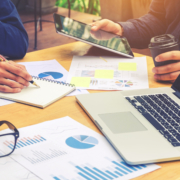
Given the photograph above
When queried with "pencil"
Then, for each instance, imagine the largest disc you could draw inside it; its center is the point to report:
(103, 59)
(3, 59)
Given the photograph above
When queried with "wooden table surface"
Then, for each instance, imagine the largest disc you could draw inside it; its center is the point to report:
(23, 115)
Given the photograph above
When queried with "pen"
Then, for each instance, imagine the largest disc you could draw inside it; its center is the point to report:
(3, 59)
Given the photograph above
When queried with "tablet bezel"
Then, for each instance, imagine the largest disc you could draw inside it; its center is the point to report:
(87, 42)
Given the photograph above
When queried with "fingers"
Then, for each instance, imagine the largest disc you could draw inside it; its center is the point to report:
(9, 89)
(167, 77)
(10, 83)
(18, 79)
(13, 77)
(168, 72)
(167, 68)
(172, 55)
(16, 71)
(99, 25)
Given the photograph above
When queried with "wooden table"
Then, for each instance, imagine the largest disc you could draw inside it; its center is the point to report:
(23, 115)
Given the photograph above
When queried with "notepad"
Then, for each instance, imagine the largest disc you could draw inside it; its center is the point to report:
(49, 92)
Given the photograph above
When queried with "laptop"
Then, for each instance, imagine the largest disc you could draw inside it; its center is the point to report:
(142, 125)
(101, 39)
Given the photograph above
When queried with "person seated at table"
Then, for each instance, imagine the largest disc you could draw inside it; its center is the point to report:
(162, 18)
(13, 44)
(13, 36)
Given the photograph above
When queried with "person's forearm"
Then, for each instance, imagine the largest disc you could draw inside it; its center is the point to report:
(140, 31)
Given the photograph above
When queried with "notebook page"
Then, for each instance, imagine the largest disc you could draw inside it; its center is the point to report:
(41, 97)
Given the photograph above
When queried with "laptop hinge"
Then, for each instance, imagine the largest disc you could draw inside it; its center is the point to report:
(176, 87)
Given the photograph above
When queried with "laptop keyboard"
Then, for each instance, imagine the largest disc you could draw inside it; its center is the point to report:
(162, 112)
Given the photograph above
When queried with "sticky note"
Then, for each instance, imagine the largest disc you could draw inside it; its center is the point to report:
(123, 66)
(104, 74)
(81, 81)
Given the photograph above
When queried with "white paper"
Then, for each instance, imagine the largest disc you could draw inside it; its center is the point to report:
(44, 69)
(69, 150)
(41, 68)
(122, 80)
(12, 170)
(4, 102)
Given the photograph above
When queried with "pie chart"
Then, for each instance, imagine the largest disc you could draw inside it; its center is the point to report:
(124, 83)
(50, 75)
(81, 142)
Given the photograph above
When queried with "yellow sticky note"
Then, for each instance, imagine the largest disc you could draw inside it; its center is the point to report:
(123, 66)
(104, 74)
(81, 81)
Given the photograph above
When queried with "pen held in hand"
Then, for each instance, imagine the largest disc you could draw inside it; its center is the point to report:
(3, 59)
(32, 82)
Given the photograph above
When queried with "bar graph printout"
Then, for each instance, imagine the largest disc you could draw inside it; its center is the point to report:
(107, 73)
(68, 150)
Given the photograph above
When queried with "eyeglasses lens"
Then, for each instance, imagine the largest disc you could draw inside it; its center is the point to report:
(7, 144)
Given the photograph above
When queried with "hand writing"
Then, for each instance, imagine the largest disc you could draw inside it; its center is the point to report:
(13, 77)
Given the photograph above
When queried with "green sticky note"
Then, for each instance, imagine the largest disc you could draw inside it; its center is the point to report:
(104, 74)
(123, 66)
(81, 81)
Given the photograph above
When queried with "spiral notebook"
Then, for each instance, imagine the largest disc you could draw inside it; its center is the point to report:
(49, 92)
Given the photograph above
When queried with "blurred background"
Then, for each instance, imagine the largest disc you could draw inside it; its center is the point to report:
(85, 11)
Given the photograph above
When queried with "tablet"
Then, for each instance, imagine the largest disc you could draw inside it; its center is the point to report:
(82, 32)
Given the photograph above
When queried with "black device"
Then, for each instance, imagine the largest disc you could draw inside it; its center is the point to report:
(102, 39)
(161, 44)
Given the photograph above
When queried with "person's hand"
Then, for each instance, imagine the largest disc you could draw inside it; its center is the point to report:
(108, 26)
(167, 72)
(13, 77)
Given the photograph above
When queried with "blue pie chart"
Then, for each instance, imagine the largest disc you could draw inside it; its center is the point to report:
(54, 75)
(81, 142)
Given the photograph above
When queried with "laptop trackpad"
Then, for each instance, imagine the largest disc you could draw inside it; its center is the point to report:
(122, 122)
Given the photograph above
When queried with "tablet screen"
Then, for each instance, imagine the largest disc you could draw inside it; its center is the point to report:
(100, 38)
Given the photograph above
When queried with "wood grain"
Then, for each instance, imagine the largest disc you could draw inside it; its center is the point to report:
(23, 115)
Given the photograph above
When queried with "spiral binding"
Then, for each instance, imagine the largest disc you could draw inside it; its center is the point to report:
(53, 81)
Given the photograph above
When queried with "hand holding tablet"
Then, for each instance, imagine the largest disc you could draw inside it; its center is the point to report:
(102, 39)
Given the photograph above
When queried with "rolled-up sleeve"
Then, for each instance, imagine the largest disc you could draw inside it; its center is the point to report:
(139, 31)
(13, 36)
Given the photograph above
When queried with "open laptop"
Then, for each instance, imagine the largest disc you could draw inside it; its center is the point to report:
(142, 125)
(101, 39)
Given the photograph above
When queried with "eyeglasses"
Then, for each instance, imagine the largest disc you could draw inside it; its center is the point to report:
(8, 141)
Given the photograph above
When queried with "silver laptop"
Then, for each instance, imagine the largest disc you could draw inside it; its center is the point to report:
(142, 125)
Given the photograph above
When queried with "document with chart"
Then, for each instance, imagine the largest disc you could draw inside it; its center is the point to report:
(52, 70)
(49, 70)
(63, 149)
(108, 73)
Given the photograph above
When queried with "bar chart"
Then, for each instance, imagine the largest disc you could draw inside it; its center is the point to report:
(37, 156)
(114, 170)
(71, 151)
(26, 141)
